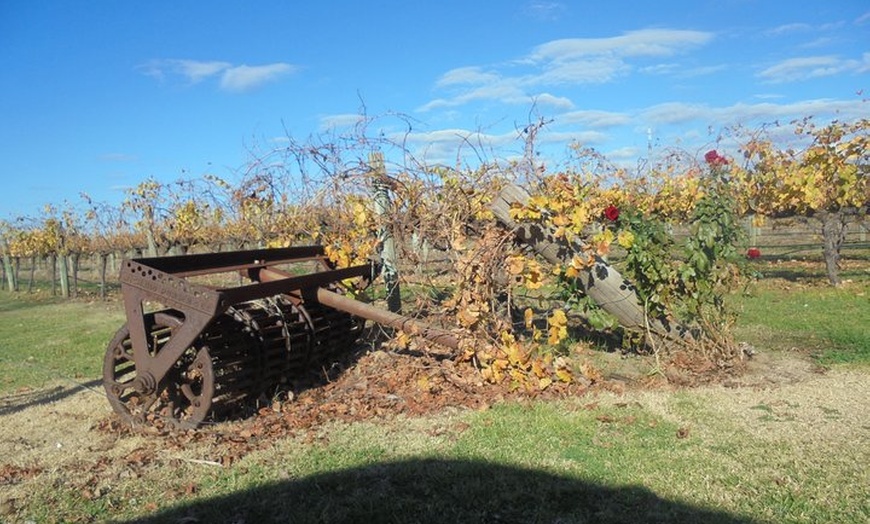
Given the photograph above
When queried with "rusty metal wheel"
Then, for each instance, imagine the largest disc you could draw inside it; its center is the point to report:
(181, 400)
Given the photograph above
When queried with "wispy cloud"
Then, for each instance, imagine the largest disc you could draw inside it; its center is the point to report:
(645, 42)
(803, 68)
(788, 28)
(344, 120)
(679, 113)
(544, 10)
(595, 119)
(571, 61)
(234, 78)
(245, 77)
(466, 75)
(449, 145)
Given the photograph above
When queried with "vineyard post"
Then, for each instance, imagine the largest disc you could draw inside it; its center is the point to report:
(753, 230)
(7, 266)
(381, 197)
(63, 269)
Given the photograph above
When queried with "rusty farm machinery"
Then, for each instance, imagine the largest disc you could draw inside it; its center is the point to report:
(192, 350)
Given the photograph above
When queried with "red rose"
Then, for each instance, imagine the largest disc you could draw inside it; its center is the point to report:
(753, 252)
(714, 158)
(611, 213)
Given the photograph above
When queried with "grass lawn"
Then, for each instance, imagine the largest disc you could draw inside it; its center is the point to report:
(45, 339)
(832, 324)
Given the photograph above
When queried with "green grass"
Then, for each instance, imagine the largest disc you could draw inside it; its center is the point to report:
(832, 324)
(47, 339)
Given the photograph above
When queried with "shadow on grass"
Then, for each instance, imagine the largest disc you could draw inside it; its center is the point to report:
(22, 400)
(429, 491)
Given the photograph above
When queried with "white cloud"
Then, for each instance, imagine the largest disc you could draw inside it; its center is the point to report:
(193, 71)
(595, 119)
(594, 70)
(340, 121)
(232, 78)
(788, 28)
(622, 154)
(572, 61)
(197, 71)
(645, 42)
(803, 68)
(450, 145)
(543, 10)
(680, 113)
(546, 99)
(588, 138)
(506, 91)
(675, 113)
(466, 75)
(244, 77)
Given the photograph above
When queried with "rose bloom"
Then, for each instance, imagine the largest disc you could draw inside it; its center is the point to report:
(753, 252)
(611, 213)
(714, 158)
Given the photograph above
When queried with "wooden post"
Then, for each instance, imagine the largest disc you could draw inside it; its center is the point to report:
(753, 231)
(601, 281)
(7, 267)
(64, 274)
(381, 194)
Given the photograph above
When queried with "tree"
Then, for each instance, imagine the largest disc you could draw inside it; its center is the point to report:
(828, 179)
(146, 200)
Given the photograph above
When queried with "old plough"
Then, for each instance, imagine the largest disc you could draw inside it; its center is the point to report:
(206, 333)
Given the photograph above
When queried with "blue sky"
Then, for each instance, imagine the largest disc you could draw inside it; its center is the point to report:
(97, 96)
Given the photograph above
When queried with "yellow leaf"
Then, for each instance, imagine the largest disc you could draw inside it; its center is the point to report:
(533, 278)
(544, 383)
(515, 264)
(560, 220)
(557, 318)
(467, 318)
(528, 317)
(403, 340)
(625, 239)
(538, 368)
(556, 335)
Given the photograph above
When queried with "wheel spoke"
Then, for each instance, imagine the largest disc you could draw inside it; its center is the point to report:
(184, 396)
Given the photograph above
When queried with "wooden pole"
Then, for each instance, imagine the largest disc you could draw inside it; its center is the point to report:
(381, 194)
(7, 267)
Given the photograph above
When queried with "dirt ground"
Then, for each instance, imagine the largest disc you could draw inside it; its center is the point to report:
(67, 435)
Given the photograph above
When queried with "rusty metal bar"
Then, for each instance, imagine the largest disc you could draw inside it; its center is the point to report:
(354, 307)
(209, 263)
(386, 318)
(287, 283)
